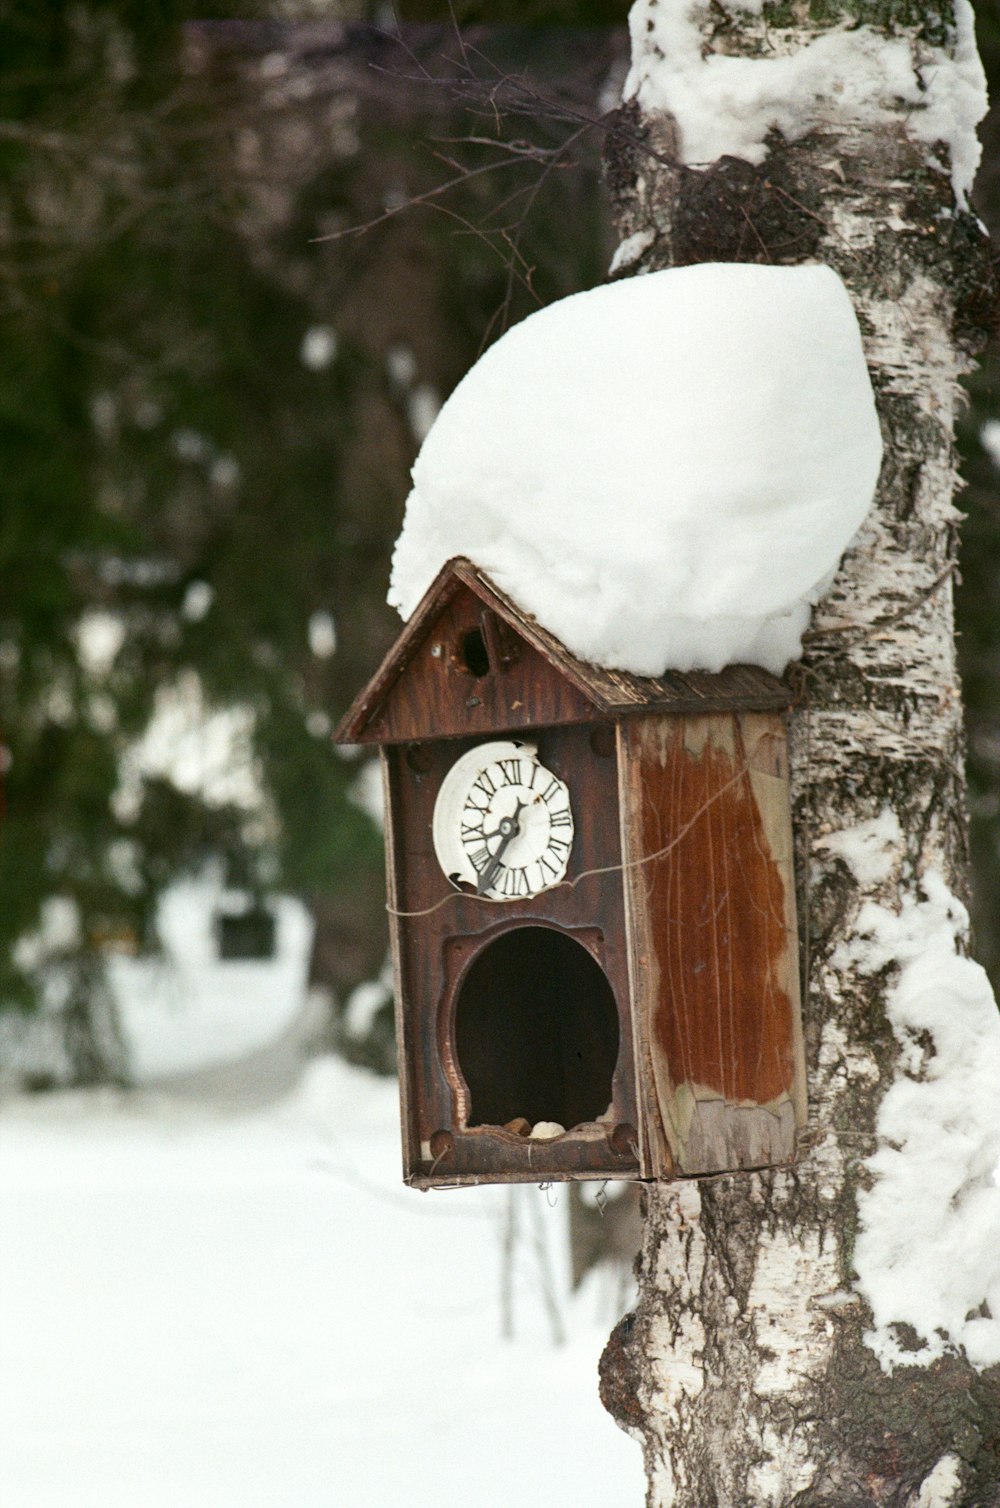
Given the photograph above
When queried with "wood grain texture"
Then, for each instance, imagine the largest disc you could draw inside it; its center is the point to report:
(713, 937)
(424, 688)
(404, 1033)
(440, 697)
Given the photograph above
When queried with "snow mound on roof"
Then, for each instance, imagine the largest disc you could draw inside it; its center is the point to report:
(665, 471)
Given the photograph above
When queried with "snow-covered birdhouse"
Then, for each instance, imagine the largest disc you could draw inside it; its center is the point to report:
(591, 902)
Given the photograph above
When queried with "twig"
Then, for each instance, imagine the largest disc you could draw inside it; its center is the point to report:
(865, 630)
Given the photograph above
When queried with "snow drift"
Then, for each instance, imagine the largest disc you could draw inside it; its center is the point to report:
(665, 471)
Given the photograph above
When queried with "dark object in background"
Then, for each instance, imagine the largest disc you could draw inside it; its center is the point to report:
(246, 934)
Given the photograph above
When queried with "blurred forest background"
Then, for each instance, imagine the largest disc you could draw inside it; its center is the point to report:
(242, 262)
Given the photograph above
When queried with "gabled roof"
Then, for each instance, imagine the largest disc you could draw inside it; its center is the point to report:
(587, 693)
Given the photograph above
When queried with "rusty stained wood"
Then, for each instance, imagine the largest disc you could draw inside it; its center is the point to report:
(433, 952)
(706, 834)
(425, 689)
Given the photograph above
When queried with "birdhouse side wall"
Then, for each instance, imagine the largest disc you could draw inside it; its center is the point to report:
(707, 845)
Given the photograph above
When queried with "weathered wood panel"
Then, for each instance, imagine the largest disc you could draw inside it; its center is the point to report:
(707, 841)
(442, 697)
(403, 1021)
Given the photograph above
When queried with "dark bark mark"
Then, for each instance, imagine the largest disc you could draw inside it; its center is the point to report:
(916, 1410)
(623, 151)
(735, 212)
(620, 1372)
(976, 283)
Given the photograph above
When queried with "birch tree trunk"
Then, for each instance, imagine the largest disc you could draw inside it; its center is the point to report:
(753, 1370)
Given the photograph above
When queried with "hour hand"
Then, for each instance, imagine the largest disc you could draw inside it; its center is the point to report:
(508, 830)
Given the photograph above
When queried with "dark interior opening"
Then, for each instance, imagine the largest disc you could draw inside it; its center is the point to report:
(536, 1031)
(475, 653)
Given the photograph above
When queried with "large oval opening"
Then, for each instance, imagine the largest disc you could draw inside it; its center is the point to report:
(536, 1031)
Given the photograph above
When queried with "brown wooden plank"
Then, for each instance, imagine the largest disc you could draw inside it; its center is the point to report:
(715, 959)
(404, 1035)
(656, 1156)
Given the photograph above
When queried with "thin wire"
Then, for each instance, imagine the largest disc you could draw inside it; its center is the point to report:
(589, 873)
(863, 630)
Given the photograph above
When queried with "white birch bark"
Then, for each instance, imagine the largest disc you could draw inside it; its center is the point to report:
(745, 1373)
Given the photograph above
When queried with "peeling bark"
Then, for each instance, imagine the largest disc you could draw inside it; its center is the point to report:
(744, 1373)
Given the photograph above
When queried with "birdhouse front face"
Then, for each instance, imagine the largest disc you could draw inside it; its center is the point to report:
(517, 1052)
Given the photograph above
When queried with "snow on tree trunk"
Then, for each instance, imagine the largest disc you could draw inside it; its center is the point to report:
(823, 1334)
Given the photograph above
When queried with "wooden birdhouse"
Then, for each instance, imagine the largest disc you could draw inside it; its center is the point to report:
(591, 903)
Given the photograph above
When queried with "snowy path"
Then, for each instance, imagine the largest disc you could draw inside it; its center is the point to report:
(201, 1310)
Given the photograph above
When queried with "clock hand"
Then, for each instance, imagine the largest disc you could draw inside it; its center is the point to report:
(502, 829)
(508, 830)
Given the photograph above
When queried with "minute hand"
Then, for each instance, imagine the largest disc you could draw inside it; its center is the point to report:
(508, 829)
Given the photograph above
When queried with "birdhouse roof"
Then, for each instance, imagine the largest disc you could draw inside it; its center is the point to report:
(520, 675)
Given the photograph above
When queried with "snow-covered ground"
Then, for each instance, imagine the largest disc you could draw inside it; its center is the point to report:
(208, 1309)
(215, 1291)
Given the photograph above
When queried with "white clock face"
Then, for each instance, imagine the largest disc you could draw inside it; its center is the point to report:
(503, 823)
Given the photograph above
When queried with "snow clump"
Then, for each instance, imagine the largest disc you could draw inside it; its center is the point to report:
(928, 1253)
(725, 105)
(665, 471)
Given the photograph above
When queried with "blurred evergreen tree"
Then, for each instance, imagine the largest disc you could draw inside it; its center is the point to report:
(209, 410)
(169, 464)
(209, 414)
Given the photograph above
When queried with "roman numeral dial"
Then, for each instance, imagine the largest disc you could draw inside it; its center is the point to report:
(503, 823)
